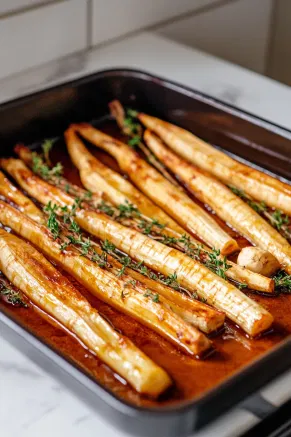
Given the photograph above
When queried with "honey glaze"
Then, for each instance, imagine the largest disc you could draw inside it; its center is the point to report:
(191, 377)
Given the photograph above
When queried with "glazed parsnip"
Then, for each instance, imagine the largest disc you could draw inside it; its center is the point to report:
(97, 176)
(191, 216)
(259, 185)
(45, 193)
(135, 134)
(236, 273)
(28, 270)
(198, 314)
(225, 203)
(190, 273)
(204, 317)
(11, 193)
(90, 178)
(108, 287)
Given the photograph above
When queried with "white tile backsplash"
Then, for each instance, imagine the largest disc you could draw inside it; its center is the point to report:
(113, 18)
(34, 32)
(41, 35)
(237, 31)
(280, 51)
(14, 5)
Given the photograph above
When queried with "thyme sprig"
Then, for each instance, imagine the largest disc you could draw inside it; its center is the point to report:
(276, 218)
(154, 296)
(129, 125)
(10, 295)
(282, 282)
(41, 163)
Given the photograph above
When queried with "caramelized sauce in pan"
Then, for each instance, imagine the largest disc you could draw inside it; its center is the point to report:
(191, 377)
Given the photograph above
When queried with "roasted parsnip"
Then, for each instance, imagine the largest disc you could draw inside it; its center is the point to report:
(191, 216)
(11, 193)
(225, 203)
(97, 177)
(27, 269)
(236, 273)
(202, 316)
(190, 273)
(107, 286)
(198, 314)
(134, 132)
(260, 186)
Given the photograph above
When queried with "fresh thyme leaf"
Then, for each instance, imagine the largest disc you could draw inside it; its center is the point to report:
(257, 206)
(154, 296)
(217, 264)
(131, 282)
(277, 218)
(132, 113)
(75, 227)
(88, 195)
(280, 219)
(43, 170)
(282, 282)
(201, 299)
(101, 260)
(134, 127)
(171, 281)
(126, 261)
(134, 141)
(147, 226)
(108, 246)
(106, 208)
(12, 296)
(241, 285)
(46, 148)
(128, 210)
(52, 222)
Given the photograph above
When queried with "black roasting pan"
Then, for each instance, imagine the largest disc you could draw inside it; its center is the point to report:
(47, 114)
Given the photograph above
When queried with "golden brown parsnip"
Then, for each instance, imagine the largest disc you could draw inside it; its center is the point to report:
(257, 184)
(108, 287)
(172, 200)
(225, 203)
(28, 270)
(190, 273)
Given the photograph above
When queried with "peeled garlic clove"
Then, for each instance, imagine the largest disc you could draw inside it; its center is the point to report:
(258, 261)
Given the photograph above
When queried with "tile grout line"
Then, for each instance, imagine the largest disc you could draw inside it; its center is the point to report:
(23, 10)
(160, 24)
(269, 55)
(89, 28)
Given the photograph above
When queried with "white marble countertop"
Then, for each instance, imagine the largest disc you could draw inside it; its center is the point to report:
(31, 402)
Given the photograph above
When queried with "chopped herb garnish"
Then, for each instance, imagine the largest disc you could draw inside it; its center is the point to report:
(280, 219)
(43, 170)
(217, 264)
(108, 246)
(126, 261)
(282, 282)
(52, 222)
(134, 141)
(277, 218)
(12, 296)
(128, 210)
(106, 208)
(46, 146)
(154, 296)
(132, 113)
